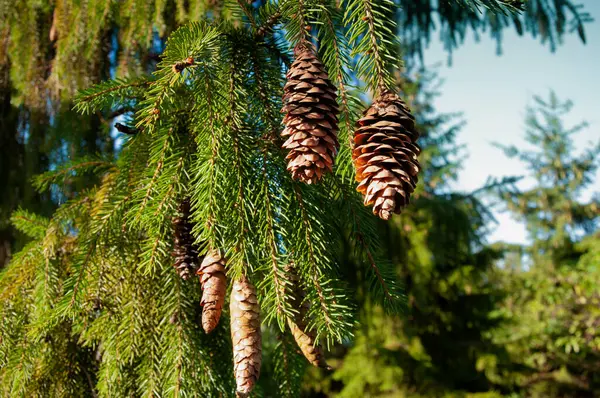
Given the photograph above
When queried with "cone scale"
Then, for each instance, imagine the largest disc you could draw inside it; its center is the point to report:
(385, 155)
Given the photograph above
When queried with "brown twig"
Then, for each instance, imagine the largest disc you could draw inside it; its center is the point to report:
(244, 7)
(269, 23)
(125, 129)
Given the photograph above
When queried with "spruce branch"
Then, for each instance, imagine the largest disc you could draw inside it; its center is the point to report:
(314, 269)
(207, 195)
(214, 150)
(244, 6)
(304, 34)
(372, 262)
(379, 66)
(30, 223)
(169, 193)
(504, 7)
(234, 127)
(371, 36)
(280, 287)
(297, 30)
(157, 171)
(336, 58)
(59, 176)
(198, 41)
(108, 94)
(362, 229)
(180, 351)
(89, 253)
(104, 215)
(20, 272)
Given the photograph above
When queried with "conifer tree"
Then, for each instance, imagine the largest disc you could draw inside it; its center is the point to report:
(206, 128)
(92, 305)
(552, 303)
(551, 210)
(51, 49)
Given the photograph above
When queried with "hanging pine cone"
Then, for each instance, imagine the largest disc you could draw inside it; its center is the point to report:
(311, 117)
(185, 250)
(214, 285)
(245, 335)
(305, 338)
(385, 155)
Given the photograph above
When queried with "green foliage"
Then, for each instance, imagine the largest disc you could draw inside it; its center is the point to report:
(76, 39)
(552, 334)
(433, 347)
(371, 34)
(70, 171)
(70, 46)
(551, 209)
(505, 320)
(553, 330)
(107, 94)
(105, 279)
(30, 224)
(91, 305)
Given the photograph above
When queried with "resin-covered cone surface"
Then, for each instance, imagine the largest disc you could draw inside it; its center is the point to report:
(214, 285)
(245, 335)
(385, 155)
(311, 122)
(185, 251)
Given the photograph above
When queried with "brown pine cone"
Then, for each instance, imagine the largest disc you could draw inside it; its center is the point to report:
(311, 117)
(305, 338)
(385, 155)
(185, 250)
(214, 284)
(245, 335)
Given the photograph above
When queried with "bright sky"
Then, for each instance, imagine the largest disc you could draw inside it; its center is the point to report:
(493, 91)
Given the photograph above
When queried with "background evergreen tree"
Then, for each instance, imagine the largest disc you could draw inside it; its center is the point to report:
(552, 210)
(552, 306)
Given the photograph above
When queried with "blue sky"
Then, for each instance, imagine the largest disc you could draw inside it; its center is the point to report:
(493, 91)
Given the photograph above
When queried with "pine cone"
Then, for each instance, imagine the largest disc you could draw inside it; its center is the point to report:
(214, 285)
(385, 155)
(245, 335)
(305, 338)
(310, 121)
(185, 250)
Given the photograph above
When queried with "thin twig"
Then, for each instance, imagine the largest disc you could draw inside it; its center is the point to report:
(379, 64)
(365, 245)
(311, 254)
(247, 12)
(280, 287)
(109, 90)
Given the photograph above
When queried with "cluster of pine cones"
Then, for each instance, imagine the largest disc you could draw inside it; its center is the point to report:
(244, 307)
(384, 153)
(385, 157)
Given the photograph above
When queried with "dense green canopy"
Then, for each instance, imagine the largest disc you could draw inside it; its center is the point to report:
(421, 306)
